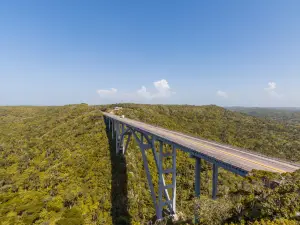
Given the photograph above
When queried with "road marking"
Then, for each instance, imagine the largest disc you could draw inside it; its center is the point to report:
(227, 153)
(237, 156)
(246, 152)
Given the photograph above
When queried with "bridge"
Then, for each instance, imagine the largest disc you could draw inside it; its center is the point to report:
(155, 139)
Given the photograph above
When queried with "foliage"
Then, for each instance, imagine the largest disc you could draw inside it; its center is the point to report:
(271, 222)
(59, 166)
(213, 211)
(287, 116)
(54, 160)
(71, 217)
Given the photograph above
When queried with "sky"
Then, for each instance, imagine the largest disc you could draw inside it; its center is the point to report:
(228, 53)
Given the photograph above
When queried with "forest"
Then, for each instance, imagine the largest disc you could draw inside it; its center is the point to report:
(287, 116)
(59, 166)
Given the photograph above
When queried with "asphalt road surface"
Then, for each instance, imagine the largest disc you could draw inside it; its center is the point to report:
(244, 159)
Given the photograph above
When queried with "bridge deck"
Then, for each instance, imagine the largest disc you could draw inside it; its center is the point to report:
(236, 157)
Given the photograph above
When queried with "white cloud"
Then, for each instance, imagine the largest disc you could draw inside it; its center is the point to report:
(144, 93)
(162, 90)
(222, 94)
(107, 93)
(271, 86)
(271, 90)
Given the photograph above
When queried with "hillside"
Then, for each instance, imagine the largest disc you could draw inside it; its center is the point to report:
(58, 166)
(55, 165)
(289, 116)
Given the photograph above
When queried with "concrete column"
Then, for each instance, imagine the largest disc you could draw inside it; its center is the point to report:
(117, 137)
(121, 147)
(142, 138)
(160, 180)
(174, 178)
(149, 178)
(215, 181)
(112, 129)
(197, 176)
(127, 143)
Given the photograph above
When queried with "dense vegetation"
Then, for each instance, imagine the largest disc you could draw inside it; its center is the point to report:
(288, 116)
(55, 166)
(58, 166)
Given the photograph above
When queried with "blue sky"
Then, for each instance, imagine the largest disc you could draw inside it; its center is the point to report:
(233, 52)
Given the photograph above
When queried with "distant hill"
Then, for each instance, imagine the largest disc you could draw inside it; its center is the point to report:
(58, 166)
(286, 115)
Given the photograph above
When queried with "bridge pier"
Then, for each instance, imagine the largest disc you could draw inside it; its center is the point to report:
(197, 185)
(215, 181)
(117, 137)
(197, 176)
(163, 188)
(120, 136)
(112, 129)
(125, 146)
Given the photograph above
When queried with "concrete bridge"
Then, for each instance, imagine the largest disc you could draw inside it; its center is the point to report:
(152, 138)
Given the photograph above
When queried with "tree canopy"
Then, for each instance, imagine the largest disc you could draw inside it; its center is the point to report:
(58, 166)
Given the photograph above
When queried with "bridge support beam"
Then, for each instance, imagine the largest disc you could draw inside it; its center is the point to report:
(117, 137)
(215, 181)
(163, 188)
(145, 143)
(112, 129)
(124, 147)
(197, 186)
(120, 137)
(174, 178)
(143, 148)
(161, 177)
(197, 176)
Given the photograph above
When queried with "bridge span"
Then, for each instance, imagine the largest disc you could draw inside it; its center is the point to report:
(153, 138)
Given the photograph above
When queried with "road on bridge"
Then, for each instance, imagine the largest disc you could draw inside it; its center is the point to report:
(244, 159)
